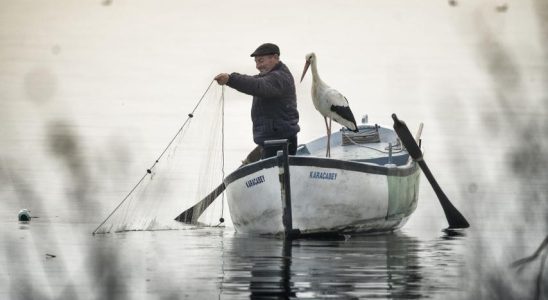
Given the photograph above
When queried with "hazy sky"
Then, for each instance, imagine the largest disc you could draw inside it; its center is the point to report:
(123, 74)
(91, 92)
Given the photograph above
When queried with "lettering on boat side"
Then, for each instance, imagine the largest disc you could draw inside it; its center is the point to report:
(254, 181)
(323, 175)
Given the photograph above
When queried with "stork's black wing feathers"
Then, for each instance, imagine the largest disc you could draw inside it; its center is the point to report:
(346, 113)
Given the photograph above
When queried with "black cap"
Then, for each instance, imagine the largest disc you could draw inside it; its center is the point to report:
(266, 49)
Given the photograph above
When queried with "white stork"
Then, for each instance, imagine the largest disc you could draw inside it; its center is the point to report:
(329, 102)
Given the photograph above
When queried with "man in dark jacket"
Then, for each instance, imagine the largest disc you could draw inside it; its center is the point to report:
(274, 109)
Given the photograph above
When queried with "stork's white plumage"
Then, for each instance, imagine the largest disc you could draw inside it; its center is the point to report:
(328, 101)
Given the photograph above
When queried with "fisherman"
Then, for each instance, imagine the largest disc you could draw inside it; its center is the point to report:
(274, 110)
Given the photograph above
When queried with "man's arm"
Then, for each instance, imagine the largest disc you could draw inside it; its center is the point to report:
(272, 85)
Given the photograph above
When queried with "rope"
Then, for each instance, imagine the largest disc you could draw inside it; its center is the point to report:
(398, 145)
(149, 170)
(221, 220)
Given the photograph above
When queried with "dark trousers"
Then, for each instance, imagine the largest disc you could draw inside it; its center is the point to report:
(267, 152)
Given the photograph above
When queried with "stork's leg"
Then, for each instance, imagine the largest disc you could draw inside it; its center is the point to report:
(327, 129)
(329, 140)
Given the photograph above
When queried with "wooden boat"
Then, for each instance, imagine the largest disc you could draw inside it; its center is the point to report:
(369, 184)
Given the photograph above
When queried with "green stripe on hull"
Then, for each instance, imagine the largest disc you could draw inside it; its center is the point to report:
(402, 195)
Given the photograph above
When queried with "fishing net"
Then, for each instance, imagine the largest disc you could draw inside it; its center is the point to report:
(190, 167)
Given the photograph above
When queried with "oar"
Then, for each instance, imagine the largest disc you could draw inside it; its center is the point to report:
(454, 217)
(191, 215)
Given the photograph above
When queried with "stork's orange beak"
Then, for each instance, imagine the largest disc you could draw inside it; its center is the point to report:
(306, 65)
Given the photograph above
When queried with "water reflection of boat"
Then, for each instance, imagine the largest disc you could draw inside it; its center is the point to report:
(380, 266)
(369, 184)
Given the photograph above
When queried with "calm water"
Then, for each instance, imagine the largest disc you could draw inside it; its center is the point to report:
(90, 93)
(215, 263)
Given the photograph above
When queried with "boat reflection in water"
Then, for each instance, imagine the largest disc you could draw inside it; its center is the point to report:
(382, 266)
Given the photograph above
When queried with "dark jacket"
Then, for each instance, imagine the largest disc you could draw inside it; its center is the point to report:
(274, 109)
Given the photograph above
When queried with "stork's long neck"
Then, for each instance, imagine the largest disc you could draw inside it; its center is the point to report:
(317, 84)
(315, 76)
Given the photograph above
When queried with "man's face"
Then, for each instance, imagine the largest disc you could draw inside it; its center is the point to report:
(265, 63)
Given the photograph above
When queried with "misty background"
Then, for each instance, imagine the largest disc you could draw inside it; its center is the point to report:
(91, 92)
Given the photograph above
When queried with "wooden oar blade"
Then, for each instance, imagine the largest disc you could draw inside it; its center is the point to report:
(186, 216)
(191, 215)
(458, 220)
(454, 217)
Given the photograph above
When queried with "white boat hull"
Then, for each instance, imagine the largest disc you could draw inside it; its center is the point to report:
(327, 195)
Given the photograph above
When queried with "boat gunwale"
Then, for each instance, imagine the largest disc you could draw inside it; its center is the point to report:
(330, 163)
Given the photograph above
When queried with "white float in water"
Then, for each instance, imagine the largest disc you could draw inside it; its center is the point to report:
(24, 215)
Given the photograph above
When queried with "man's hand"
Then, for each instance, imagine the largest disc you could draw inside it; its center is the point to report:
(222, 78)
